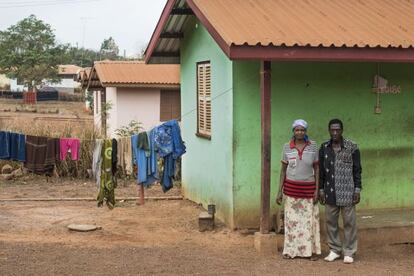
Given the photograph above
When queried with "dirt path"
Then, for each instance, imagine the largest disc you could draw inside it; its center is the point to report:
(159, 238)
(36, 187)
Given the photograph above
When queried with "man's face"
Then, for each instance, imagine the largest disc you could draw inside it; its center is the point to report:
(299, 132)
(335, 131)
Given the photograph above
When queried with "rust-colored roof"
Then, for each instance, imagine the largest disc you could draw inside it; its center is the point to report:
(68, 69)
(350, 23)
(137, 72)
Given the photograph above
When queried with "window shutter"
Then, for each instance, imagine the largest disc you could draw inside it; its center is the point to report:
(204, 98)
(170, 105)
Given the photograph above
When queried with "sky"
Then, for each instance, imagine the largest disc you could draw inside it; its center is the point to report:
(88, 22)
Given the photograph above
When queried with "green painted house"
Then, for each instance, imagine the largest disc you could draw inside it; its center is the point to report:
(315, 60)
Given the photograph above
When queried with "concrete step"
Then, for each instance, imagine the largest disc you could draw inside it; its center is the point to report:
(377, 227)
(385, 226)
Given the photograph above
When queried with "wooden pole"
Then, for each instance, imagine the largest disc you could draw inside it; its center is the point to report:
(141, 198)
(265, 87)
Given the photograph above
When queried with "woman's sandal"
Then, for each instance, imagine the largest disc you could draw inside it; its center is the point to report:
(314, 258)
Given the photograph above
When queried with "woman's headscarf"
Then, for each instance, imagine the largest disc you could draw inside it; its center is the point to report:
(302, 123)
(299, 122)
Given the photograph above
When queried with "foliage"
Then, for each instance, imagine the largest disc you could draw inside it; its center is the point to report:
(109, 49)
(89, 98)
(29, 52)
(132, 128)
(106, 107)
(82, 57)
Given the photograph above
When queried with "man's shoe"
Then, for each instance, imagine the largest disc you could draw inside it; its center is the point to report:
(348, 260)
(332, 256)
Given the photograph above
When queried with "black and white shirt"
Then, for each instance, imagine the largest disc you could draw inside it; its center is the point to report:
(340, 172)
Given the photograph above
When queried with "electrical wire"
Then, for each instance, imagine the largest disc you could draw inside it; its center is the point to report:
(6, 5)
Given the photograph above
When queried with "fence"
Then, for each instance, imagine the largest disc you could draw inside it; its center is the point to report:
(29, 97)
(32, 97)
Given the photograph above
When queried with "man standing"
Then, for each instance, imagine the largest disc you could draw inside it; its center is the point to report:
(340, 187)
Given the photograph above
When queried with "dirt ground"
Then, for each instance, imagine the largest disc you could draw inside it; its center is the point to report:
(52, 118)
(158, 238)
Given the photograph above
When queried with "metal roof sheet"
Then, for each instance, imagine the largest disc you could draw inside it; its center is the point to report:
(327, 23)
(68, 69)
(134, 72)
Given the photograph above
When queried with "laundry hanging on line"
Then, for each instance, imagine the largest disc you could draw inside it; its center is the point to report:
(41, 154)
(12, 146)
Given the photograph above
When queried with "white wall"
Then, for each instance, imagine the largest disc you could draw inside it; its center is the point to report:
(140, 104)
(97, 110)
(112, 119)
(66, 85)
(16, 87)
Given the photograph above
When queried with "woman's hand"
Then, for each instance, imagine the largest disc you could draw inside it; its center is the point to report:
(315, 197)
(279, 199)
(322, 197)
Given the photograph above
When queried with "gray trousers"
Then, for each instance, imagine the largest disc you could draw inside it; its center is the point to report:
(349, 246)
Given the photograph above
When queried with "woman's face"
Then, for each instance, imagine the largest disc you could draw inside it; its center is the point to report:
(299, 132)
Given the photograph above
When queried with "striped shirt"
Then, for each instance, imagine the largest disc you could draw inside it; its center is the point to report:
(300, 177)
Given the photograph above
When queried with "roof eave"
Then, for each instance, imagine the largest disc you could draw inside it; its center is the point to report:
(328, 54)
(158, 29)
(210, 28)
(285, 53)
(142, 85)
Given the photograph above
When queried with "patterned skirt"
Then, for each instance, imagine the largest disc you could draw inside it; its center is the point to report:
(302, 230)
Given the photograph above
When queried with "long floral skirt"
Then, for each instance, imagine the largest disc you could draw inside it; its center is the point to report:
(302, 230)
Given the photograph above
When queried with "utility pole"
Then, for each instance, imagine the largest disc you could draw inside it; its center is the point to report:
(84, 19)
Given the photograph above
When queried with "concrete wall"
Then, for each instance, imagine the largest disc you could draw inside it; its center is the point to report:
(318, 92)
(97, 111)
(112, 117)
(207, 166)
(140, 104)
(16, 87)
(66, 85)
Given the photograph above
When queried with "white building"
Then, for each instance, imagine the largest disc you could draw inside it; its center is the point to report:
(67, 84)
(147, 93)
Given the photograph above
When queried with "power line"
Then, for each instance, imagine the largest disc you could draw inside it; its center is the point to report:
(6, 5)
(214, 98)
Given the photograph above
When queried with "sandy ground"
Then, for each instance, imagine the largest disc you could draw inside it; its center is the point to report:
(71, 117)
(159, 238)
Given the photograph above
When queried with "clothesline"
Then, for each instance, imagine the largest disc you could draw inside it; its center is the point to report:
(179, 118)
(40, 155)
(57, 137)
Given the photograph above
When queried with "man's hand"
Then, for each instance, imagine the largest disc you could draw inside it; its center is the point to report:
(357, 198)
(322, 197)
(279, 199)
(315, 197)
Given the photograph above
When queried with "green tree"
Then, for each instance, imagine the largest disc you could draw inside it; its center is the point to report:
(30, 53)
(109, 49)
(81, 56)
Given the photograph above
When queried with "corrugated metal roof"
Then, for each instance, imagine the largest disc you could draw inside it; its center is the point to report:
(68, 69)
(133, 72)
(350, 23)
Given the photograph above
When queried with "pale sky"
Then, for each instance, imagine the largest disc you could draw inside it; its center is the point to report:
(89, 22)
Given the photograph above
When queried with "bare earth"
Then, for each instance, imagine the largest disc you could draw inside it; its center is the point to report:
(159, 238)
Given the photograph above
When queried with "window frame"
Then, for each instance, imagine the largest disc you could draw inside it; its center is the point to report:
(198, 133)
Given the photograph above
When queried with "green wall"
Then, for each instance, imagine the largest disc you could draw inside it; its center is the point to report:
(318, 92)
(207, 165)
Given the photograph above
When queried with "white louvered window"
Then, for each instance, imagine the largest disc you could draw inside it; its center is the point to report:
(204, 99)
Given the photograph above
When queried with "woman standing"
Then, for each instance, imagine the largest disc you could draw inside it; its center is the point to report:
(299, 182)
